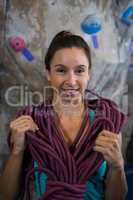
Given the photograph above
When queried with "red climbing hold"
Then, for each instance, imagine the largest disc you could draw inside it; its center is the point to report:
(17, 43)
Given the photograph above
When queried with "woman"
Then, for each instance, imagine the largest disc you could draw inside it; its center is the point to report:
(66, 147)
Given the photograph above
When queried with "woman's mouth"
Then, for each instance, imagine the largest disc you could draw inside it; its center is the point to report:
(70, 92)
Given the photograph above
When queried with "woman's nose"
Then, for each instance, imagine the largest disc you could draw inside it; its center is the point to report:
(71, 78)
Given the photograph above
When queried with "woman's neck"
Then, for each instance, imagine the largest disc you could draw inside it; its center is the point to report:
(69, 110)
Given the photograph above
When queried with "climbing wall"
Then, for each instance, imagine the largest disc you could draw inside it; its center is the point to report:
(26, 29)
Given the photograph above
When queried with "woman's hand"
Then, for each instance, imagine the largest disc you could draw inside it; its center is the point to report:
(109, 144)
(18, 128)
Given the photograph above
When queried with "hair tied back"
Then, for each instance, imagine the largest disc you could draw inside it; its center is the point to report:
(63, 34)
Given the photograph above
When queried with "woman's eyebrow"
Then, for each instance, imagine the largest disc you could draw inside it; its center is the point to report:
(84, 66)
(61, 65)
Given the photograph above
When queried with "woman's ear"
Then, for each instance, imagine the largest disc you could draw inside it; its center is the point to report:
(47, 74)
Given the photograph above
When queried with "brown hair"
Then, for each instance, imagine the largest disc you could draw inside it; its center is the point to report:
(66, 39)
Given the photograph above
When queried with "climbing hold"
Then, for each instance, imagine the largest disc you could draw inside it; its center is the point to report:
(27, 54)
(18, 44)
(127, 16)
(92, 25)
(130, 48)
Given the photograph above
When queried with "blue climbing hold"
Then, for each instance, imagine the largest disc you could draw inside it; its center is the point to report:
(27, 54)
(127, 16)
(91, 24)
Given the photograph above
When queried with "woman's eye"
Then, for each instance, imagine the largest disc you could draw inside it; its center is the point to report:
(79, 71)
(60, 71)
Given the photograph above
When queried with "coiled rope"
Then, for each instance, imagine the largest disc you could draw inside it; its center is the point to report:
(68, 167)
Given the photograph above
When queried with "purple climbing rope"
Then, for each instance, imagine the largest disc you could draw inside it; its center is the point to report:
(68, 167)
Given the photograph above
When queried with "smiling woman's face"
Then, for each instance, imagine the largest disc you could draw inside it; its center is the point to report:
(69, 73)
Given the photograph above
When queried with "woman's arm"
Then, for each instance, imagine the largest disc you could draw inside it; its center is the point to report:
(11, 176)
(109, 144)
(10, 179)
(116, 185)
